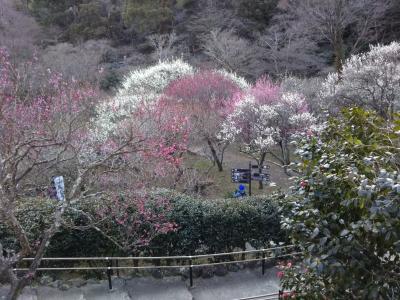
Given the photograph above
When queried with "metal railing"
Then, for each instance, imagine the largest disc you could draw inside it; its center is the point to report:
(109, 267)
(272, 296)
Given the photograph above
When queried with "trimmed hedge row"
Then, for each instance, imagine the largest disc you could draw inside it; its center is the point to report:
(204, 226)
(35, 215)
(211, 226)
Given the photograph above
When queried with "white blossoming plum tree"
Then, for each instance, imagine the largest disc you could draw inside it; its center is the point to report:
(141, 86)
(370, 80)
(265, 117)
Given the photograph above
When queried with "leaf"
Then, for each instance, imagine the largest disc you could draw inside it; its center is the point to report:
(315, 233)
(323, 241)
(344, 232)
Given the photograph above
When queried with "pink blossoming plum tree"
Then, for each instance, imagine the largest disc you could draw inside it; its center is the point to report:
(52, 131)
(206, 98)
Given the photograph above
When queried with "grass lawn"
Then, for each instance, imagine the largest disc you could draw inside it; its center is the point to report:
(222, 184)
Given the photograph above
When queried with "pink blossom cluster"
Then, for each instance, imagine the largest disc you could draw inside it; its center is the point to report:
(40, 119)
(204, 91)
(139, 217)
(283, 266)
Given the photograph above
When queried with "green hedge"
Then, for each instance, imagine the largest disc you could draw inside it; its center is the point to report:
(210, 226)
(204, 226)
(35, 215)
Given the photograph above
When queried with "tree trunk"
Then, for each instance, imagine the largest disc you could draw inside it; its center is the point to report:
(337, 37)
(339, 53)
(285, 155)
(18, 284)
(215, 156)
(16, 289)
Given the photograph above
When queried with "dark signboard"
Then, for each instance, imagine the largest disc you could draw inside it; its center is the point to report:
(260, 177)
(240, 175)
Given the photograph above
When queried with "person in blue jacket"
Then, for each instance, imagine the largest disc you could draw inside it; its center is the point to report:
(240, 192)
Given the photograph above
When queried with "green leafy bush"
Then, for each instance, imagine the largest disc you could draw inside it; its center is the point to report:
(148, 15)
(204, 226)
(110, 81)
(35, 215)
(210, 226)
(345, 212)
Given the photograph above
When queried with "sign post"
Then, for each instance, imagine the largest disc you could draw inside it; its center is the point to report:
(247, 175)
(250, 178)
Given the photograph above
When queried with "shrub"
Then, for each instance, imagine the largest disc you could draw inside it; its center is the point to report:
(110, 81)
(35, 214)
(345, 211)
(204, 226)
(219, 225)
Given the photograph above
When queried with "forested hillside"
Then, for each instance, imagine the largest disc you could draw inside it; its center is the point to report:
(250, 38)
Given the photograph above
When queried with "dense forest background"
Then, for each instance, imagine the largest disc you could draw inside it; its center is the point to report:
(100, 40)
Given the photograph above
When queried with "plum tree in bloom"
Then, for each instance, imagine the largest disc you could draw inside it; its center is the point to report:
(38, 135)
(136, 218)
(140, 86)
(370, 80)
(238, 80)
(49, 133)
(265, 117)
(206, 98)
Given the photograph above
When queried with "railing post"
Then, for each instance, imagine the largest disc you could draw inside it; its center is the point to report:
(109, 273)
(280, 294)
(117, 265)
(191, 272)
(263, 263)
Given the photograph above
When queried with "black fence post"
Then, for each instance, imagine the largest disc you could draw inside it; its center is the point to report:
(263, 263)
(190, 272)
(280, 294)
(109, 270)
(117, 266)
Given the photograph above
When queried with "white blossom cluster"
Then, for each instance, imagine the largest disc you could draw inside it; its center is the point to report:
(371, 80)
(293, 112)
(151, 81)
(260, 126)
(140, 86)
(240, 81)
